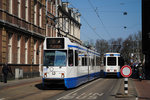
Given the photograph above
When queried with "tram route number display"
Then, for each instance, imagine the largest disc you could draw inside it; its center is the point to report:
(55, 43)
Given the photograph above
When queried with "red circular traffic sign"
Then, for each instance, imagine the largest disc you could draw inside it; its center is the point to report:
(126, 71)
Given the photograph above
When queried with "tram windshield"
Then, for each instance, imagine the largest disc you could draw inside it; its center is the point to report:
(111, 61)
(55, 58)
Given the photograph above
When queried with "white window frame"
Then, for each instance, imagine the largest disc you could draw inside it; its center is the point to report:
(26, 9)
(40, 17)
(26, 50)
(19, 8)
(18, 49)
(10, 6)
(35, 13)
(10, 48)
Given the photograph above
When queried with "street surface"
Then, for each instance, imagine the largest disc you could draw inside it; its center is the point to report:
(99, 89)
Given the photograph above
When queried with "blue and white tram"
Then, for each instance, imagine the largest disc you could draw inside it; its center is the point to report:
(112, 64)
(69, 63)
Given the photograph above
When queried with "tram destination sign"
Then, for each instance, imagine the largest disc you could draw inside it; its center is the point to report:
(55, 43)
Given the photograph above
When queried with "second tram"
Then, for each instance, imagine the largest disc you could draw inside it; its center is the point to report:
(112, 64)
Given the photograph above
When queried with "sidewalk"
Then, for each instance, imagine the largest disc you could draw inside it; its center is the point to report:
(143, 89)
(18, 82)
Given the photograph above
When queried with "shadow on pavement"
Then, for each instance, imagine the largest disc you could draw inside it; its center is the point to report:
(50, 87)
(144, 98)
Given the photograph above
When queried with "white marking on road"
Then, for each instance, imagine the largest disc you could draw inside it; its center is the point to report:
(69, 97)
(95, 95)
(73, 94)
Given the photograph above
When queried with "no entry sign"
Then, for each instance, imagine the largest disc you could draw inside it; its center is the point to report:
(126, 71)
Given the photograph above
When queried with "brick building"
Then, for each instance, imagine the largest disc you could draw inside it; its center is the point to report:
(23, 26)
(68, 22)
(50, 16)
(22, 32)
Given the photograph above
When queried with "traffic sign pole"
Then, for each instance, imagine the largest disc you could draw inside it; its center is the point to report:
(126, 72)
(126, 85)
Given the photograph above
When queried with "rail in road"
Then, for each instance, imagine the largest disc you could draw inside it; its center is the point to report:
(99, 89)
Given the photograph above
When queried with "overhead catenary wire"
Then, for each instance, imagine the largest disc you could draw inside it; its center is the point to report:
(91, 28)
(87, 22)
(95, 10)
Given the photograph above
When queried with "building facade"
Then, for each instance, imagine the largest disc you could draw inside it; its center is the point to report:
(51, 6)
(22, 32)
(68, 22)
(24, 24)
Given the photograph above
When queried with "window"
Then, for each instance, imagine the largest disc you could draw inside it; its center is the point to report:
(18, 49)
(40, 16)
(111, 61)
(26, 50)
(26, 10)
(70, 58)
(76, 58)
(51, 8)
(98, 61)
(9, 48)
(35, 12)
(34, 60)
(19, 8)
(64, 24)
(84, 61)
(10, 6)
(55, 58)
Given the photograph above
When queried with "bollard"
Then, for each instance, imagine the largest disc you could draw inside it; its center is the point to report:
(126, 86)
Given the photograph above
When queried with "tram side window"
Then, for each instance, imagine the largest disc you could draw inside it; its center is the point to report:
(76, 58)
(70, 57)
(97, 61)
(84, 61)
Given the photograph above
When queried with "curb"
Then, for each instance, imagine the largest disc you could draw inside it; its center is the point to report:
(15, 83)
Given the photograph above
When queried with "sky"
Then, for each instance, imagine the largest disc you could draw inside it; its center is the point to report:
(105, 19)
